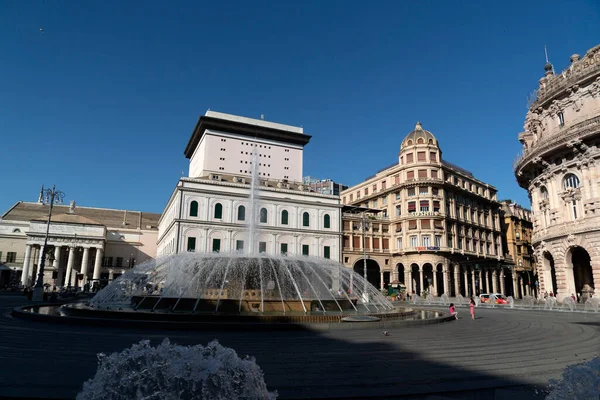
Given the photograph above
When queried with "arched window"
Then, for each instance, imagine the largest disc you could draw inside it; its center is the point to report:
(409, 142)
(327, 221)
(284, 217)
(218, 211)
(420, 140)
(571, 181)
(16, 230)
(263, 215)
(241, 213)
(305, 219)
(194, 209)
(544, 193)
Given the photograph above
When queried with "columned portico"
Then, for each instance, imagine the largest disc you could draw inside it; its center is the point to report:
(84, 264)
(456, 279)
(70, 262)
(473, 283)
(466, 275)
(487, 281)
(421, 289)
(502, 285)
(97, 264)
(495, 281)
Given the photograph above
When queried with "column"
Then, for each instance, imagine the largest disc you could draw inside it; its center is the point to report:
(70, 262)
(473, 279)
(381, 280)
(421, 281)
(456, 279)
(445, 281)
(56, 266)
(111, 275)
(84, 264)
(395, 274)
(495, 280)
(97, 264)
(480, 282)
(435, 287)
(26, 266)
(502, 284)
(515, 285)
(526, 288)
(487, 281)
(466, 282)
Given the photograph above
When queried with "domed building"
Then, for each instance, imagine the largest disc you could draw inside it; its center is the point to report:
(426, 223)
(559, 167)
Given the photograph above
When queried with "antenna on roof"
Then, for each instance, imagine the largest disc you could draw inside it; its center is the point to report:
(548, 62)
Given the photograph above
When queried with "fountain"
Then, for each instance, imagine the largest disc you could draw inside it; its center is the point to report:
(592, 304)
(569, 304)
(171, 372)
(460, 300)
(444, 299)
(511, 301)
(415, 299)
(550, 303)
(528, 301)
(492, 300)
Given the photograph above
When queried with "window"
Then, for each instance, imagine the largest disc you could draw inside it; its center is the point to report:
(263, 215)
(424, 205)
(436, 206)
(194, 209)
(422, 173)
(412, 191)
(398, 210)
(434, 173)
(449, 240)
(425, 224)
(412, 224)
(305, 219)
(433, 156)
(119, 262)
(397, 195)
(262, 247)
(409, 158)
(327, 252)
(544, 193)
(570, 181)
(421, 156)
(561, 118)
(327, 221)
(284, 217)
(11, 257)
(218, 211)
(399, 243)
(131, 262)
(191, 244)
(412, 206)
(424, 190)
(375, 188)
(410, 175)
(16, 230)
(426, 240)
(414, 241)
(216, 247)
(366, 191)
(384, 200)
(241, 213)
(239, 245)
(283, 248)
(574, 209)
(396, 179)
(437, 241)
(304, 249)
(383, 185)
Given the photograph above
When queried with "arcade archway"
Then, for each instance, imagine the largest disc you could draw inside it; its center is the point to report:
(372, 271)
(579, 269)
(550, 284)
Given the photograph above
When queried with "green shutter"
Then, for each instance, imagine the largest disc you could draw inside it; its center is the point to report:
(305, 219)
(284, 248)
(241, 213)
(239, 245)
(216, 245)
(327, 252)
(191, 244)
(262, 247)
(304, 249)
(263, 215)
(194, 209)
(284, 217)
(327, 221)
(218, 211)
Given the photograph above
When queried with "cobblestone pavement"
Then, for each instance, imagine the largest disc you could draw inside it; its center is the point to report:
(502, 354)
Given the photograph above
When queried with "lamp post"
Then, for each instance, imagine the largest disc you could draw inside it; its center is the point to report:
(364, 226)
(49, 196)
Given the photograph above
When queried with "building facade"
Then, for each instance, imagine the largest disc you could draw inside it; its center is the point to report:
(427, 223)
(245, 194)
(84, 244)
(324, 186)
(559, 167)
(517, 232)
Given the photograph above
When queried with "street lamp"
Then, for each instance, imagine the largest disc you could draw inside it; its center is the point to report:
(364, 226)
(49, 196)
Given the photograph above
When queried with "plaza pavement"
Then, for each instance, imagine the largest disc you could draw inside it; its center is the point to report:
(504, 354)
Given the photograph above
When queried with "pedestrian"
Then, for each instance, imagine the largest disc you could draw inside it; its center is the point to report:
(453, 311)
(472, 308)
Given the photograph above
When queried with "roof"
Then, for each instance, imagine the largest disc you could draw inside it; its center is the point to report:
(25, 211)
(243, 126)
(418, 133)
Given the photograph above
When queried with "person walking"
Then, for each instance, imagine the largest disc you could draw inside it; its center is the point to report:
(472, 308)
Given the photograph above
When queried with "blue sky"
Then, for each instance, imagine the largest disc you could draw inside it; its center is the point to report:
(103, 101)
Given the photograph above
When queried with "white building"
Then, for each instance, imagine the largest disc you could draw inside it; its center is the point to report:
(84, 244)
(210, 210)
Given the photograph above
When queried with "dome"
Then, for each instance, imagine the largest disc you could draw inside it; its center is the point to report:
(419, 133)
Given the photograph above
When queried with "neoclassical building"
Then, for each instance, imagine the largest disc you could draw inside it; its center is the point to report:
(517, 232)
(234, 160)
(559, 166)
(85, 244)
(429, 224)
